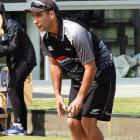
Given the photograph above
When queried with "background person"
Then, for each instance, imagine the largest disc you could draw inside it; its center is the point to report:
(73, 48)
(18, 49)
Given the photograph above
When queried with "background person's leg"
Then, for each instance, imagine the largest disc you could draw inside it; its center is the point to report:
(16, 96)
(23, 113)
(16, 93)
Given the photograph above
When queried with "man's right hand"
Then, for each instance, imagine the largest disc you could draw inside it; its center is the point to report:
(60, 105)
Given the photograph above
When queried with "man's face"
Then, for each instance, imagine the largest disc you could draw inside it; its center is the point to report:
(42, 20)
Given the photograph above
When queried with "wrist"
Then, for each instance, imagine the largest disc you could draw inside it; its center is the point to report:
(58, 95)
(80, 99)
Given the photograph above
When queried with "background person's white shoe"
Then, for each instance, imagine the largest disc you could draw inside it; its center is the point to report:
(16, 129)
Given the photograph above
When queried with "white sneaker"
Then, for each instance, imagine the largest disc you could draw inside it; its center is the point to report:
(16, 129)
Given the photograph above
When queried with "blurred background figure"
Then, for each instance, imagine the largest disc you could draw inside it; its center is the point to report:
(21, 59)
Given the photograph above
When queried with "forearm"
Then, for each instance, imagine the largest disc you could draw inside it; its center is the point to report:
(6, 47)
(9, 40)
(89, 75)
(56, 75)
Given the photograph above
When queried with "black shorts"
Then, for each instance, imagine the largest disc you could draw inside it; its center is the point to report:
(99, 102)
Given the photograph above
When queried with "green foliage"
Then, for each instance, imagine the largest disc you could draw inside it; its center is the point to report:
(132, 72)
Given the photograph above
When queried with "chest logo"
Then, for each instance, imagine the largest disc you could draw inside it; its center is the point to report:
(50, 48)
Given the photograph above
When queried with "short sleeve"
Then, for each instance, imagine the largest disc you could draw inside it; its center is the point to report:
(82, 42)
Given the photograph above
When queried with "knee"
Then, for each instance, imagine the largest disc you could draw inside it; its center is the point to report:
(72, 123)
(89, 123)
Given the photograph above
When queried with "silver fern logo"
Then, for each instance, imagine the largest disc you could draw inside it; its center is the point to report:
(95, 111)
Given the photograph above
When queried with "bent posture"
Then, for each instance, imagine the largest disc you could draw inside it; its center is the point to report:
(73, 48)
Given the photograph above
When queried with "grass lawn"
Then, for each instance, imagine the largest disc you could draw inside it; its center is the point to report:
(127, 105)
(121, 105)
(32, 138)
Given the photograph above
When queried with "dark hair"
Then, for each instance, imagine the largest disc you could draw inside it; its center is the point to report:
(2, 9)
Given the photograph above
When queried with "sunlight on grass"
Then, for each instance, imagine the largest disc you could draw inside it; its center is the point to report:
(32, 138)
(127, 105)
(45, 103)
(121, 105)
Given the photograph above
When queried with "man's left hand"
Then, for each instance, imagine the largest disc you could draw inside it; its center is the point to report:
(75, 107)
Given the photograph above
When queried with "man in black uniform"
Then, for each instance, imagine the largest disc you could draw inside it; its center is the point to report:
(18, 49)
(86, 59)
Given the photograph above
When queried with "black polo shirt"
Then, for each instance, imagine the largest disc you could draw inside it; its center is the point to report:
(74, 47)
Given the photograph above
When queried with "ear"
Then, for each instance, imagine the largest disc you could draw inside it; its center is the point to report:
(52, 14)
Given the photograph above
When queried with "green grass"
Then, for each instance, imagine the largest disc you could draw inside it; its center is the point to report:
(45, 103)
(121, 105)
(127, 105)
(32, 138)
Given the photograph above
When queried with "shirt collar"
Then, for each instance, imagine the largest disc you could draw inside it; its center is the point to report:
(60, 31)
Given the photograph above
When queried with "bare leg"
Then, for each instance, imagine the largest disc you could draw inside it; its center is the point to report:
(91, 129)
(76, 129)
